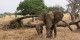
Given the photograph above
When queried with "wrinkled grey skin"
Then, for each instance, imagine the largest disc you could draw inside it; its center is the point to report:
(39, 27)
(49, 20)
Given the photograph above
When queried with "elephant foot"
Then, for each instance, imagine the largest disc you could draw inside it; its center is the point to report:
(54, 36)
(49, 36)
(39, 32)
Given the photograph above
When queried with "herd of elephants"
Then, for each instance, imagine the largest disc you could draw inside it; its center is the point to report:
(50, 19)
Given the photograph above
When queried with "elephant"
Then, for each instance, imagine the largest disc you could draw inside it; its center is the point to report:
(50, 19)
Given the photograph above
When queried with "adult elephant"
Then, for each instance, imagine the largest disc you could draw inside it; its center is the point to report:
(49, 20)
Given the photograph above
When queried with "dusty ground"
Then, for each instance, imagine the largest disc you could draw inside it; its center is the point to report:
(63, 33)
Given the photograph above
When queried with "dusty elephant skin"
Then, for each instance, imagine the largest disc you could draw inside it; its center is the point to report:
(50, 19)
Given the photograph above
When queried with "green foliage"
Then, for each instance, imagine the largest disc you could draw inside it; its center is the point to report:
(2, 15)
(56, 8)
(31, 7)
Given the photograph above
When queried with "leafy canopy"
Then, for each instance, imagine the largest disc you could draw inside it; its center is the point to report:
(31, 7)
(56, 8)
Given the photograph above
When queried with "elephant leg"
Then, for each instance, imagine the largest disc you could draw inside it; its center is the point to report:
(48, 29)
(39, 29)
(67, 25)
(48, 32)
(55, 32)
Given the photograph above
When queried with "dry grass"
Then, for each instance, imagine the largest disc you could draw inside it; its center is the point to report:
(63, 33)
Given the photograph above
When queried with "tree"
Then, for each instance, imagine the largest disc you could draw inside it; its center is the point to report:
(73, 8)
(31, 7)
(56, 8)
(8, 13)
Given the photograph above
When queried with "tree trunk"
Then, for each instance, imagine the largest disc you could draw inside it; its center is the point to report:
(26, 17)
(32, 19)
(73, 14)
(15, 15)
(16, 23)
(72, 17)
(10, 15)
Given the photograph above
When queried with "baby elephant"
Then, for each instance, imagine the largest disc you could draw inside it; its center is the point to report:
(39, 27)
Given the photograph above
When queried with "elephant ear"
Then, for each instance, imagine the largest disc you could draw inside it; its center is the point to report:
(42, 16)
(58, 16)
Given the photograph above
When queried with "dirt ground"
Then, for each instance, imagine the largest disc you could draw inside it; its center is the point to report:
(63, 33)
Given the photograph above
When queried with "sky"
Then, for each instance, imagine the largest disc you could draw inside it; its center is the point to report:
(11, 5)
